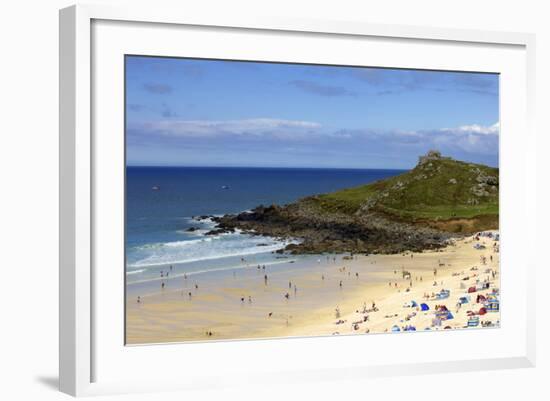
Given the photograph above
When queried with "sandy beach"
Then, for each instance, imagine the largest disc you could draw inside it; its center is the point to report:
(324, 295)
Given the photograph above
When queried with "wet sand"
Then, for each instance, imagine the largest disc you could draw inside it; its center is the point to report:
(327, 295)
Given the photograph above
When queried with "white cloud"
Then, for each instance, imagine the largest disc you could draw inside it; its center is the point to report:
(248, 127)
(473, 139)
(476, 129)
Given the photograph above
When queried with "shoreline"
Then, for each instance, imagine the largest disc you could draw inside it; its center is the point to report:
(221, 310)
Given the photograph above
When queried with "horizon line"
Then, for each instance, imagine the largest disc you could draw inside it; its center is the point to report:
(268, 167)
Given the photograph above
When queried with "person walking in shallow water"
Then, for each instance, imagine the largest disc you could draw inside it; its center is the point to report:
(265, 279)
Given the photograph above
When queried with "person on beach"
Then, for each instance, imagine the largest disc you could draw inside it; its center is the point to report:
(185, 276)
(263, 267)
(265, 279)
(287, 295)
(249, 299)
(340, 283)
(295, 289)
(356, 275)
(242, 300)
(322, 277)
(138, 299)
(190, 295)
(162, 285)
(289, 284)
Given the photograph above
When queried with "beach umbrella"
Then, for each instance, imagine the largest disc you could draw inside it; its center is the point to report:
(395, 329)
(424, 307)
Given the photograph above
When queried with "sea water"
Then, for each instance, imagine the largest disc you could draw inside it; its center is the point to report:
(163, 203)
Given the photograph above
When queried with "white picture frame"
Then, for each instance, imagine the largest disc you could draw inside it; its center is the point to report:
(79, 344)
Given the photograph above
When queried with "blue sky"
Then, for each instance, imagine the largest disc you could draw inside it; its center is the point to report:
(189, 112)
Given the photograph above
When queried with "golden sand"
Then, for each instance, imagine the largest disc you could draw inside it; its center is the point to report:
(330, 298)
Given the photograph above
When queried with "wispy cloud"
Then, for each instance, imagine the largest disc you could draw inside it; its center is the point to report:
(157, 88)
(258, 127)
(322, 90)
(389, 82)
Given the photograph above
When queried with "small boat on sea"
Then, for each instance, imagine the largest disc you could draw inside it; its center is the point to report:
(225, 186)
(155, 188)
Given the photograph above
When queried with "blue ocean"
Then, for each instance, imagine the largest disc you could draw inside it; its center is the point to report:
(163, 203)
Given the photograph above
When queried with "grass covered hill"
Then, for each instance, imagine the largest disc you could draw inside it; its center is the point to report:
(420, 209)
(439, 191)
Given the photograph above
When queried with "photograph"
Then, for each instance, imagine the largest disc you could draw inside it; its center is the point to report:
(268, 199)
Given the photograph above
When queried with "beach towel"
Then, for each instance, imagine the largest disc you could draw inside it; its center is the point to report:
(472, 289)
(482, 311)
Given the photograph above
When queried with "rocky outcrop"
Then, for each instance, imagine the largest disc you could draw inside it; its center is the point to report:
(318, 233)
